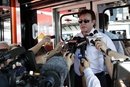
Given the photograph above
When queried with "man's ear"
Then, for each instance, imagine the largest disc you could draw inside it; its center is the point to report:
(94, 23)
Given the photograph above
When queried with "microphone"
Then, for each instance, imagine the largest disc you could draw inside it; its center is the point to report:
(52, 37)
(85, 42)
(12, 53)
(55, 72)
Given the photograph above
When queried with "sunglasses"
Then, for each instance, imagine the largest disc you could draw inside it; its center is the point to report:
(85, 21)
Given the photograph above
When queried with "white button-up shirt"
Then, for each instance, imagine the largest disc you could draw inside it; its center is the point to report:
(94, 56)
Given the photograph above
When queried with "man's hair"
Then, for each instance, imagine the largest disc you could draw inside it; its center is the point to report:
(86, 11)
(103, 20)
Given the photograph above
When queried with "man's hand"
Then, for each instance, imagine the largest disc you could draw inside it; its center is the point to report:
(69, 57)
(100, 45)
(56, 50)
(46, 40)
(58, 47)
(84, 66)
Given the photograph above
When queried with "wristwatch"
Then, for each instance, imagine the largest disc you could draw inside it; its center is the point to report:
(108, 50)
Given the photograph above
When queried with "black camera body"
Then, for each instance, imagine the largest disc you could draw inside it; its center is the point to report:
(22, 76)
(76, 43)
(10, 74)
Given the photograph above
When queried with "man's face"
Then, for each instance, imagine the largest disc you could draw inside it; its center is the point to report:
(86, 23)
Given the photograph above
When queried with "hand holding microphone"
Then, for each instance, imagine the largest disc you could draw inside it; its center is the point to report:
(111, 53)
(84, 64)
(101, 45)
(69, 57)
(46, 40)
(56, 50)
(58, 47)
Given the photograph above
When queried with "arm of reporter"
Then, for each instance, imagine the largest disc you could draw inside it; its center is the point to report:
(102, 46)
(36, 48)
(47, 56)
(109, 66)
(109, 55)
(56, 50)
(91, 79)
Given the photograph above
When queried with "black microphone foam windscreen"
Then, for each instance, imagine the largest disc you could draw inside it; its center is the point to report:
(52, 37)
(58, 65)
(17, 51)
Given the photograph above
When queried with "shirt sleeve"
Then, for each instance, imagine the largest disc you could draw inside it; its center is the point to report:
(119, 47)
(91, 79)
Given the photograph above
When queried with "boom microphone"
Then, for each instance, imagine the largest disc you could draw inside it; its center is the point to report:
(11, 54)
(55, 72)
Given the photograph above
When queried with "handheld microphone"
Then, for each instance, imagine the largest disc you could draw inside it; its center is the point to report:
(12, 53)
(52, 37)
(85, 42)
(55, 72)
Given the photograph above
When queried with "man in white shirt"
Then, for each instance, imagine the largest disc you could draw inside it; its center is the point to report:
(87, 22)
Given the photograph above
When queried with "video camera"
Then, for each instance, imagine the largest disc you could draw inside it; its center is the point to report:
(51, 74)
(25, 58)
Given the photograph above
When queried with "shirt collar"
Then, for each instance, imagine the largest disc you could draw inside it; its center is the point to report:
(91, 31)
(81, 35)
